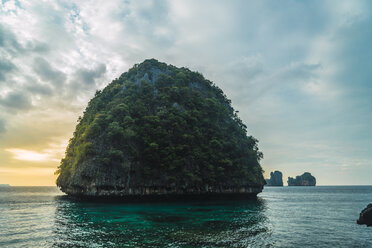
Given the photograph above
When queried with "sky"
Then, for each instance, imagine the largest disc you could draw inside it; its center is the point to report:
(298, 72)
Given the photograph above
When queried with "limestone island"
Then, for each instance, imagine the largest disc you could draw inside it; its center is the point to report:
(157, 131)
(305, 179)
(276, 179)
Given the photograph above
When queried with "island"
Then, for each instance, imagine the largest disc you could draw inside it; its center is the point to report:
(160, 130)
(305, 179)
(276, 179)
(4, 185)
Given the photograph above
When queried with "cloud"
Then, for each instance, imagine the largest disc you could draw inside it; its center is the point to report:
(10, 44)
(87, 76)
(5, 67)
(299, 72)
(2, 125)
(35, 156)
(38, 47)
(84, 83)
(16, 101)
(48, 73)
(26, 155)
(247, 68)
(38, 88)
(9, 41)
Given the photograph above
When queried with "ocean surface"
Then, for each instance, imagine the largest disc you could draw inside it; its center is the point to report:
(321, 216)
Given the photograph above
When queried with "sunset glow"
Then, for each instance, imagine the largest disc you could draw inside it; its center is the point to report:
(26, 155)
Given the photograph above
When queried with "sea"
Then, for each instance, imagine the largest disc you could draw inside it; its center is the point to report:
(321, 216)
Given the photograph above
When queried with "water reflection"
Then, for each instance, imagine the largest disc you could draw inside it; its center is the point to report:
(193, 224)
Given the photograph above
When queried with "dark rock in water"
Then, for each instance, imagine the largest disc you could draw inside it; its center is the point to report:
(276, 179)
(159, 130)
(365, 217)
(305, 179)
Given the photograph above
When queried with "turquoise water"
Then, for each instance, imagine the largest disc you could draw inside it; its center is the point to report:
(280, 217)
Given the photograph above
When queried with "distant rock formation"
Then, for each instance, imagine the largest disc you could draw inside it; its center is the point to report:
(276, 179)
(305, 179)
(4, 185)
(365, 217)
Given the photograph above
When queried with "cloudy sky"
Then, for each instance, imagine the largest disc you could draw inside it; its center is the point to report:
(298, 72)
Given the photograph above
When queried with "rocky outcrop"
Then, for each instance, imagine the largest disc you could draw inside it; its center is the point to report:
(161, 192)
(276, 179)
(159, 130)
(305, 179)
(365, 217)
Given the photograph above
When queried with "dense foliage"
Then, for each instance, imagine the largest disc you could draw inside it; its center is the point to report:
(177, 126)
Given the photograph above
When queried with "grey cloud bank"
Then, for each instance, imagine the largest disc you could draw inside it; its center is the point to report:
(16, 101)
(47, 73)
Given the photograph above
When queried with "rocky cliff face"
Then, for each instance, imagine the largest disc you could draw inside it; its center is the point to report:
(276, 179)
(305, 179)
(160, 130)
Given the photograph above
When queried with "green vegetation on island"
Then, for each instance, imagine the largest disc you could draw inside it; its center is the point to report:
(158, 129)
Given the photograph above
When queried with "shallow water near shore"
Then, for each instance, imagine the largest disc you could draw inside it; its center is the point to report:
(322, 216)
